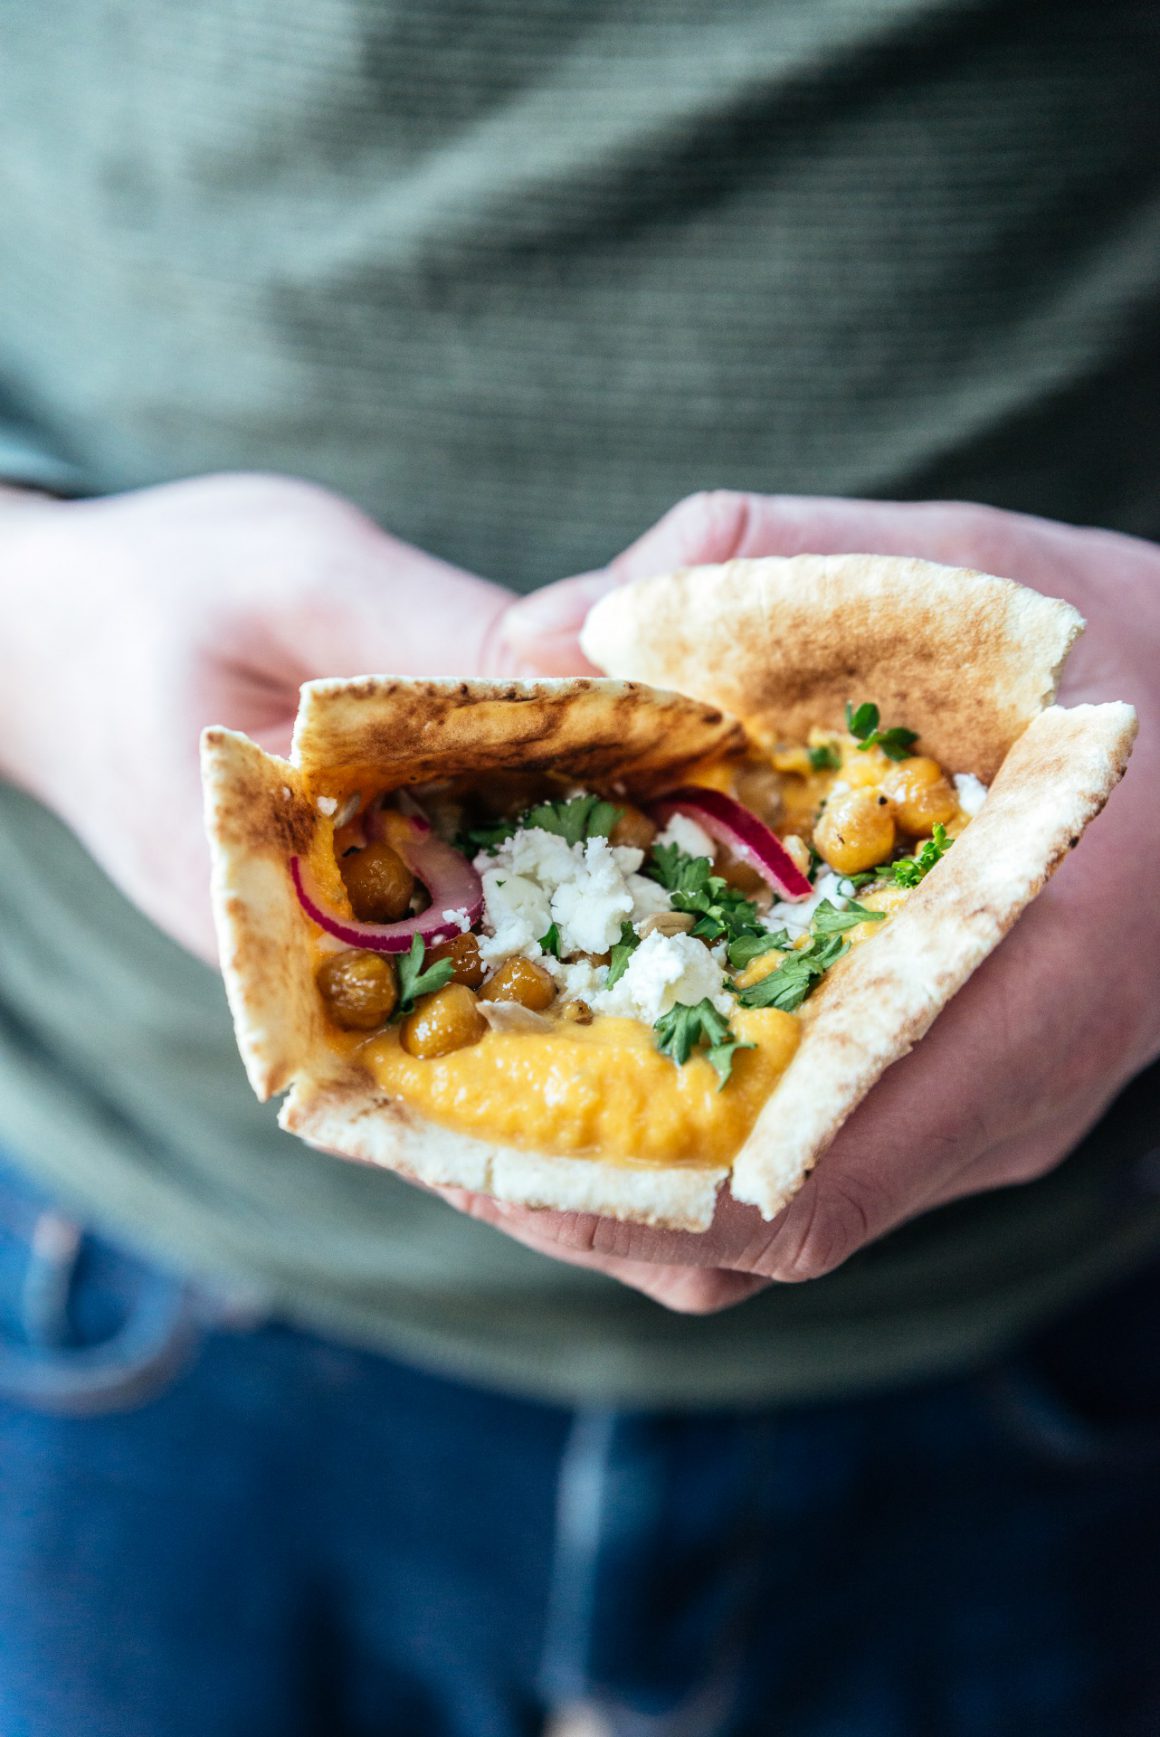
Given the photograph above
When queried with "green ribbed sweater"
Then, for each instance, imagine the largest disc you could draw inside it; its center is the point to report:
(515, 278)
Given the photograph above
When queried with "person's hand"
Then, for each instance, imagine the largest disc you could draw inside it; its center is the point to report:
(1025, 1058)
(131, 622)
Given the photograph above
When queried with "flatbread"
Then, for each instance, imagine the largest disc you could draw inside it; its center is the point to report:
(875, 1004)
(906, 634)
(783, 643)
(261, 810)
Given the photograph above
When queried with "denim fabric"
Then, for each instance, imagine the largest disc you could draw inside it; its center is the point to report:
(214, 1527)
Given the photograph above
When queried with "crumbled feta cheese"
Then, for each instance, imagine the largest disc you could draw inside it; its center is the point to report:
(797, 917)
(590, 907)
(578, 981)
(687, 836)
(516, 912)
(327, 805)
(663, 970)
(970, 792)
(649, 898)
(459, 917)
(588, 890)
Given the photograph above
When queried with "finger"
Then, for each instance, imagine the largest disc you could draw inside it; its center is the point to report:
(378, 606)
(686, 1289)
(541, 631)
(721, 525)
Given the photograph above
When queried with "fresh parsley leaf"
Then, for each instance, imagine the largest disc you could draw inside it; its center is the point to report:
(414, 981)
(675, 869)
(720, 1057)
(746, 948)
(863, 722)
(909, 870)
(681, 1029)
(477, 838)
(825, 758)
(796, 976)
(622, 951)
(579, 818)
(720, 909)
(550, 943)
(897, 743)
(828, 920)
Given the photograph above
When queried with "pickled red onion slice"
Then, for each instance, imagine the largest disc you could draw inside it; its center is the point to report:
(732, 824)
(451, 882)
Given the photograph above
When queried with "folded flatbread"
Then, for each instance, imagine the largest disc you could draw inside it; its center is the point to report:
(767, 651)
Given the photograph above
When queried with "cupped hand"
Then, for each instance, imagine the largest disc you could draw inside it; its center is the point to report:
(133, 621)
(1024, 1060)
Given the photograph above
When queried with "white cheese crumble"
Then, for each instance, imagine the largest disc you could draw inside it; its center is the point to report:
(797, 917)
(970, 792)
(663, 970)
(459, 917)
(687, 836)
(327, 805)
(588, 890)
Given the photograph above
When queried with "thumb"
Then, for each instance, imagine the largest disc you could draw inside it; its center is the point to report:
(721, 525)
(716, 525)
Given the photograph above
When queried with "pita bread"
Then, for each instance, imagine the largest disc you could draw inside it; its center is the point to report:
(382, 732)
(784, 644)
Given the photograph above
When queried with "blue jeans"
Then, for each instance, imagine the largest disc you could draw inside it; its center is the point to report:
(212, 1526)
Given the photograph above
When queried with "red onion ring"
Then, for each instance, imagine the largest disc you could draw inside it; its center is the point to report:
(732, 824)
(449, 878)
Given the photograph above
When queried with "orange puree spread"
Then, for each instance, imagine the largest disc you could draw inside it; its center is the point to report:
(602, 1090)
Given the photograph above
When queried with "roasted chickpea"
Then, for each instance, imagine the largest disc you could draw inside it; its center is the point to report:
(463, 952)
(633, 828)
(379, 883)
(360, 989)
(576, 1012)
(445, 1021)
(921, 795)
(856, 831)
(521, 980)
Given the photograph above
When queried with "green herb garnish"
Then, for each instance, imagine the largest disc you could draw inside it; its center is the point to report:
(825, 758)
(578, 818)
(788, 986)
(720, 909)
(477, 838)
(862, 722)
(681, 1029)
(550, 942)
(746, 948)
(829, 920)
(414, 981)
(622, 951)
(909, 870)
